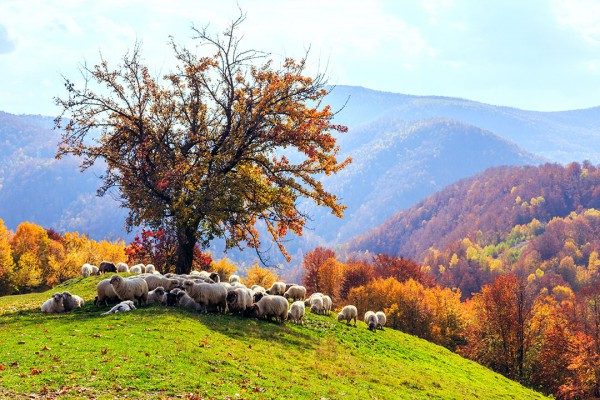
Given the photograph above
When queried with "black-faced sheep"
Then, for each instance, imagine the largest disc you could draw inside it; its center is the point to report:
(184, 300)
(86, 270)
(122, 267)
(130, 289)
(289, 285)
(381, 319)
(239, 299)
(172, 299)
(327, 305)
(371, 320)
(158, 295)
(297, 311)
(137, 269)
(348, 313)
(295, 293)
(207, 295)
(123, 306)
(106, 266)
(277, 289)
(105, 293)
(271, 306)
(54, 304)
(71, 301)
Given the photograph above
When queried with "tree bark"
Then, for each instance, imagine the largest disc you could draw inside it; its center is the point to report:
(186, 241)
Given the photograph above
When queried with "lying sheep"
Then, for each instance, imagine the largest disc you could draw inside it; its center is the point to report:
(86, 270)
(71, 301)
(130, 289)
(297, 311)
(208, 295)
(105, 293)
(137, 269)
(327, 305)
(106, 266)
(371, 320)
(150, 269)
(123, 306)
(277, 289)
(158, 295)
(348, 313)
(122, 267)
(234, 278)
(381, 319)
(316, 305)
(172, 300)
(271, 306)
(184, 300)
(295, 292)
(312, 296)
(239, 299)
(213, 276)
(54, 304)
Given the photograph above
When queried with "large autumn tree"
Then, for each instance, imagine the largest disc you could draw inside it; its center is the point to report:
(200, 151)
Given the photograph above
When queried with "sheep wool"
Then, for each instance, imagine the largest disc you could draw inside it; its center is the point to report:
(208, 295)
(271, 307)
(381, 319)
(105, 293)
(86, 270)
(130, 289)
(308, 301)
(184, 300)
(371, 320)
(234, 278)
(158, 295)
(124, 306)
(239, 299)
(95, 270)
(295, 293)
(278, 289)
(71, 301)
(297, 311)
(150, 269)
(122, 267)
(316, 305)
(54, 304)
(327, 305)
(348, 313)
(137, 269)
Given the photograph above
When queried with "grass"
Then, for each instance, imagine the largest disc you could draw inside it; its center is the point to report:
(158, 352)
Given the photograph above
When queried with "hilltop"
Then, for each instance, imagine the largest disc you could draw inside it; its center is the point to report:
(165, 352)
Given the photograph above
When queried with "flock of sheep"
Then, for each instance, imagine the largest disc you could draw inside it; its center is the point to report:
(203, 292)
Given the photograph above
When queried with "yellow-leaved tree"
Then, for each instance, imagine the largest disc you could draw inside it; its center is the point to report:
(6, 262)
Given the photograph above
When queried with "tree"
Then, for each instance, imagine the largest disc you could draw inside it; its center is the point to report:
(201, 150)
(6, 262)
(260, 276)
(311, 264)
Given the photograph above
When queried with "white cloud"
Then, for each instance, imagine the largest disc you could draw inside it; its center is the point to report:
(583, 16)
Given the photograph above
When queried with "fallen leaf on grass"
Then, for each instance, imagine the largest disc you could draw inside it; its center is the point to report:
(1, 367)
(36, 371)
(46, 348)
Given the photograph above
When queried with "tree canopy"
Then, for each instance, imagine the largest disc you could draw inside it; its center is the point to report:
(200, 150)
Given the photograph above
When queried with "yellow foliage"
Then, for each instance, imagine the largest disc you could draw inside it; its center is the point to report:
(224, 267)
(260, 276)
(28, 272)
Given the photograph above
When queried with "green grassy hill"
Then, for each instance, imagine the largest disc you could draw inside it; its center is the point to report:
(158, 352)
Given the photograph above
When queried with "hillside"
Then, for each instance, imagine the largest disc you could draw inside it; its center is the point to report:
(164, 352)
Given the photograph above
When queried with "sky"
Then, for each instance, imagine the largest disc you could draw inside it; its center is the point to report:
(533, 54)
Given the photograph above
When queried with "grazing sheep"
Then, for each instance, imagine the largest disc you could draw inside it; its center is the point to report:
(123, 306)
(130, 289)
(258, 288)
(150, 269)
(234, 278)
(327, 305)
(277, 289)
(86, 270)
(137, 269)
(381, 319)
(239, 299)
(106, 266)
(122, 267)
(207, 295)
(316, 305)
(312, 296)
(348, 313)
(95, 270)
(271, 306)
(371, 320)
(105, 292)
(295, 292)
(158, 296)
(297, 311)
(71, 301)
(54, 304)
(259, 295)
(155, 280)
(184, 300)
(289, 285)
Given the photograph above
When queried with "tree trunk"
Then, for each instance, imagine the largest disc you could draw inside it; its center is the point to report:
(186, 241)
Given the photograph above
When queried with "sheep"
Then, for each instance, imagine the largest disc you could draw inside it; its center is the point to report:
(289, 285)
(184, 300)
(278, 289)
(71, 301)
(297, 311)
(154, 280)
(105, 292)
(348, 313)
(316, 305)
(137, 269)
(122, 267)
(207, 295)
(239, 299)
(259, 295)
(158, 295)
(295, 292)
(234, 278)
(54, 304)
(150, 269)
(258, 288)
(381, 319)
(271, 306)
(207, 275)
(172, 300)
(327, 305)
(123, 306)
(130, 289)
(95, 270)
(371, 320)
(312, 296)
(86, 270)
(106, 266)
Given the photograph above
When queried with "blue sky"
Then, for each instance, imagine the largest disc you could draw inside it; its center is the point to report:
(533, 54)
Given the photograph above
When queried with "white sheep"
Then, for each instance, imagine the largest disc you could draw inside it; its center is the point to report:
(137, 269)
(86, 270)
(150, 269)
(123, 306)
(297, 311)
(234, 278)
(239, 299)
(54, 304)
(371, 320)
(105, 293)
(206, 275)
(208, 295)
(271, 306)
(295, 293)
(130, 289)
(155, 280)
(327, 305)
(122, 267)
(158, 295)
(95, 270)
(277, 289)
(184, 300)
(316, 305)
(381, 319)
(71, 301)
(348, 313)
(308, 301)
